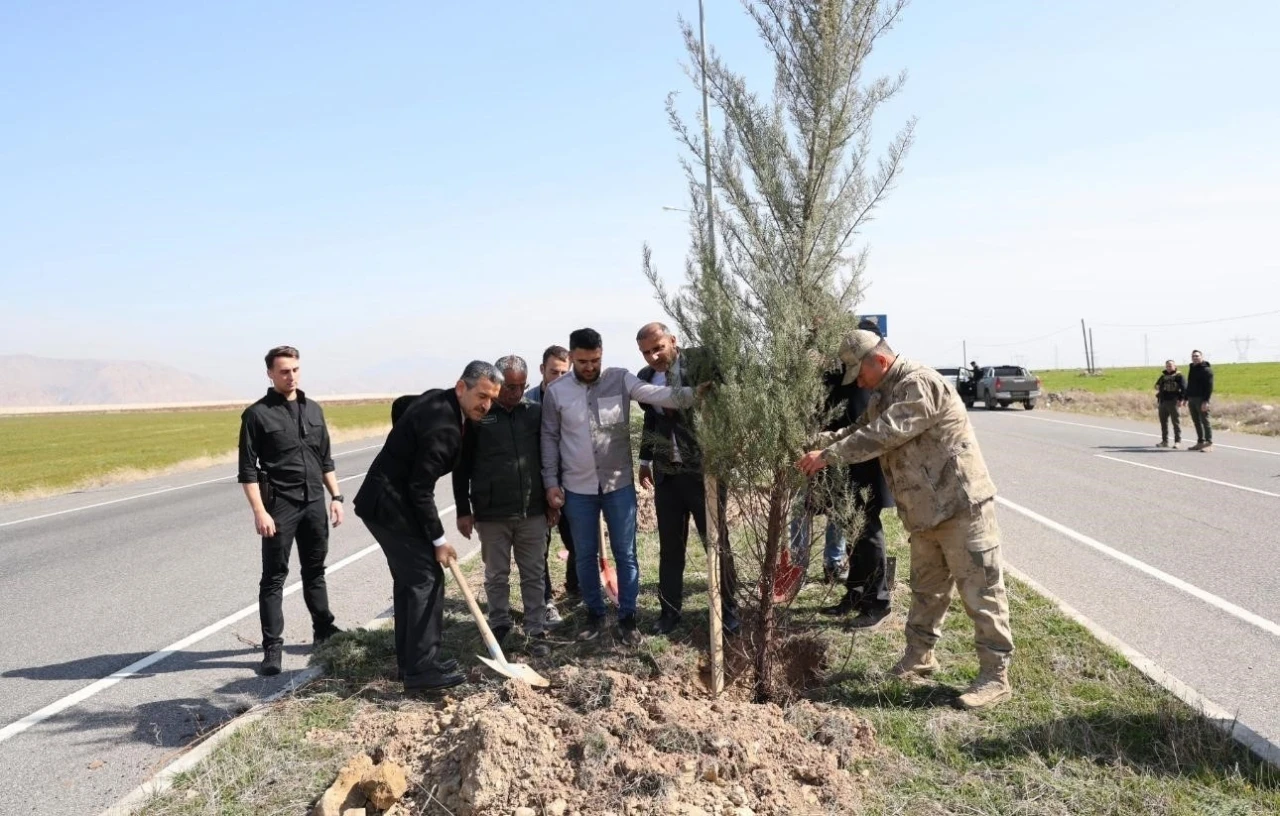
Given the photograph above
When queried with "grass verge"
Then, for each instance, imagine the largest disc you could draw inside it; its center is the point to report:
(1085, 733)
(1233, 381)
(52, 453)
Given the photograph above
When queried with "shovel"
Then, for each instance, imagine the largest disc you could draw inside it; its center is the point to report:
(608, 575)
(789, 575)
(496, 659)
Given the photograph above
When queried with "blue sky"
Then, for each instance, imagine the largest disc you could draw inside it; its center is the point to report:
(398, 187)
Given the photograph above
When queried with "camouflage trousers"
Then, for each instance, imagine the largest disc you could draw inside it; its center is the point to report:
(962, 552)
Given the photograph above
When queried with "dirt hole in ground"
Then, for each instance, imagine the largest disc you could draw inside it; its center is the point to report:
(601, 742)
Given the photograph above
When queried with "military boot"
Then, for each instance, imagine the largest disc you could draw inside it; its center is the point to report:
(990, 687)
(917, 662)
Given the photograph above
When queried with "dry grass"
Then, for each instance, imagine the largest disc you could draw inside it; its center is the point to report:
(1228, 414)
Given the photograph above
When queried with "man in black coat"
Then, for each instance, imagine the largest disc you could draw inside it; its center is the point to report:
(671, 464)
(397, 503)
(1199, 392)
(869, 586)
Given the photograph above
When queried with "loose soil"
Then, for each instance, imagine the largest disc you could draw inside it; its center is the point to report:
(600, 742)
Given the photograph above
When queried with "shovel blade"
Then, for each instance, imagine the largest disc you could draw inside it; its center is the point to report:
(517, 671)
(609, 580)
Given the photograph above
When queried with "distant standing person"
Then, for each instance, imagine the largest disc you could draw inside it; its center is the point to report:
(1199, 391)
(397, 502)
(285, 467)
(1171, 392)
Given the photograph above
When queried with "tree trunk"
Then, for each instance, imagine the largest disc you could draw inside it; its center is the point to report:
(773, 539)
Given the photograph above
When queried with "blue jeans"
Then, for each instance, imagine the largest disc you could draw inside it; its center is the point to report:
(833, 551)
(583, 512)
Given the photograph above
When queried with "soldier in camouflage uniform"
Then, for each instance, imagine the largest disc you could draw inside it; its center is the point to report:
(919, 428)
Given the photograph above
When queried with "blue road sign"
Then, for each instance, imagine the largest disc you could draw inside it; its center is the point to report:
(881, 321)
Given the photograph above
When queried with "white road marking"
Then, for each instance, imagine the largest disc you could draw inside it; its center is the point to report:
(1188, 475)
(154, 493)
(57, 707)
(1243, 614)
(1136, 433)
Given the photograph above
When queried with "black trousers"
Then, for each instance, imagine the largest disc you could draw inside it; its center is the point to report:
(868, 583)
(676, 498)
(417, 598)
(570, 574)
(1169, 413)
(1200, 419)
(308, 523)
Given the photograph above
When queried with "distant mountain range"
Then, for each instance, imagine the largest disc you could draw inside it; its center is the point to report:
(28, 381)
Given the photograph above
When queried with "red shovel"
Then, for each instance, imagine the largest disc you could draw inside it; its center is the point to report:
(608, 575)
(789, 576)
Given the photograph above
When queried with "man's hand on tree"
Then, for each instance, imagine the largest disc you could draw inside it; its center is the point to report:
(811, 463)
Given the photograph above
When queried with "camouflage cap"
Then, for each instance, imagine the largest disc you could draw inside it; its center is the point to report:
(856, 346)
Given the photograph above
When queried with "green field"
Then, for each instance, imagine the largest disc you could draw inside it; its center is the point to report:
(1231, 380)
(59, 451)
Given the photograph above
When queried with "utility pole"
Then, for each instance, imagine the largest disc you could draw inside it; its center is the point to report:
(718, 537)
(1093, 354)
(1084, 334)
(964, 353)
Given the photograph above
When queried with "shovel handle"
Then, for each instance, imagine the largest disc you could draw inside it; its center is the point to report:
(490, 642)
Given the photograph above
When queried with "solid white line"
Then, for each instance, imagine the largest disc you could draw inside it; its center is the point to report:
(58, 706)
(154, 493)
(1188, 475)
(1177, 583)
(1136, 433)
(1265, 748)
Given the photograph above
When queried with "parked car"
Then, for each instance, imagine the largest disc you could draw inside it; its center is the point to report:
(962, 379)
(1003, 386)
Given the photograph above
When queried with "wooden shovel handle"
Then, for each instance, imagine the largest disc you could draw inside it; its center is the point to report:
(490, 641)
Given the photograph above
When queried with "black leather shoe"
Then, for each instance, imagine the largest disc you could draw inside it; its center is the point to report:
(870, 618)
(846, 606)
(435, 681)
(270, 661)
(321, 635)
(500, 634)
(731, 625)
(666, 624)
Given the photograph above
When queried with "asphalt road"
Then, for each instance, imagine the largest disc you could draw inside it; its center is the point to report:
(96, 581)
(1171, 551)
(1176, 553)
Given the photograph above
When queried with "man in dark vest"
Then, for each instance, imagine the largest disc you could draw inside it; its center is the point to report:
(671, 464)
(397, 503)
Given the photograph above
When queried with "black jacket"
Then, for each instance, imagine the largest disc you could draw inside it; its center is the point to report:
(850, 401)
(661, 424)
(1171, 387)
(499, 476)
(1200, 381)
(399, 491)
(288, 443)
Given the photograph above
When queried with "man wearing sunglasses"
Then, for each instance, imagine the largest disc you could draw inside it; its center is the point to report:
(498, 489)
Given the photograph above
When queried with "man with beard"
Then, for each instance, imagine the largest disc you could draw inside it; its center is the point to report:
(397, 503)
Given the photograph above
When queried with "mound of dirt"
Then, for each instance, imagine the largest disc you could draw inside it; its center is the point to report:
(600, 742)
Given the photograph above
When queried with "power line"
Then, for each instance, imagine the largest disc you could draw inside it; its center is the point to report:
(1185, 322)
(1022, 342)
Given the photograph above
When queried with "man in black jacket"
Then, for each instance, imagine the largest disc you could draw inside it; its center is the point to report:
(397, 503)
(869, 587)
(285, 468)
(498, 489)
(1199, 391)
(1171, 391)
(671, 464)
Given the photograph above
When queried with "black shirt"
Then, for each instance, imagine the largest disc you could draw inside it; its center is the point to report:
(288, 440)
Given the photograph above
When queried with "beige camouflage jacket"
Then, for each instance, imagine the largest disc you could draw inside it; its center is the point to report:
(919, 428)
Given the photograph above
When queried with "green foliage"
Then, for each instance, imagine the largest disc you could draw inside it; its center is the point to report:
(770, 304)
(1230, 380)
(56, 451)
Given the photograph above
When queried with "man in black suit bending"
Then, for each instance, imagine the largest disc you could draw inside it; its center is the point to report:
(397, 503)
